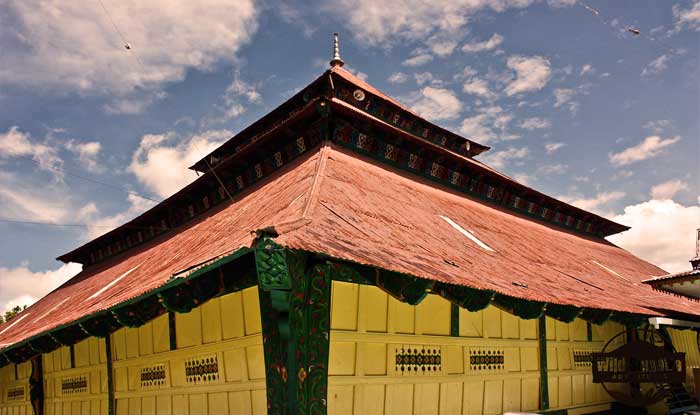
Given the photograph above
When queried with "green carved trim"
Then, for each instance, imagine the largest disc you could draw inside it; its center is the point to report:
(271, 265)
(403, 287)
(465, 297)
(100, 326)
(544, 379)
(564, 313)
(525, 309)
(310, 323)
(275, 352)
(36, 386)
(350, 273)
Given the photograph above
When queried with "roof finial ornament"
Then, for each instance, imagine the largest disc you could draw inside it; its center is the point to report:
(336, 61)
(695, 262)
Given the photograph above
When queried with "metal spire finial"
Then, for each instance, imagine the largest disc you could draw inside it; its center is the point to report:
(336, 61)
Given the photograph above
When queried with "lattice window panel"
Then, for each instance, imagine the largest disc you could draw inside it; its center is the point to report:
(582, 357)
(15, 394)
(487, 359)
(74, 385)
(417, 360)
(202, 369)
(154, 376)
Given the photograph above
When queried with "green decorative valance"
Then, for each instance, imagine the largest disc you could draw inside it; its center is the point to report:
(629, 320)
(596, 316)
(44, 344)
(404, 288)
(525, 309)
(564, 313)
(100, 326)
(465, 297)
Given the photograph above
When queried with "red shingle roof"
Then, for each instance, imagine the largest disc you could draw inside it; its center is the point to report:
(352, 208)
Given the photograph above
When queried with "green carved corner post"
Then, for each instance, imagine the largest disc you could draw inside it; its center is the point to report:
(295, 311)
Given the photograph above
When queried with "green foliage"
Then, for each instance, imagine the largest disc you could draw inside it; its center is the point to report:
(11, 313)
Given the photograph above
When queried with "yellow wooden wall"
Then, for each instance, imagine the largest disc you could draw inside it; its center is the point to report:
(369, 327)
(686, 341)
(224, 333)
(14, 386)
(77, 390)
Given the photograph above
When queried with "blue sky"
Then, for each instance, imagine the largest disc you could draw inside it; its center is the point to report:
(570, 100)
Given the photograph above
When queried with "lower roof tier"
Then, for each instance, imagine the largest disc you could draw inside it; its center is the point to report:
(335, 202)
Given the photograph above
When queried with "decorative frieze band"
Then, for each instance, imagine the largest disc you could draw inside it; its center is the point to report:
(202, 369)
(74, 385)
(418, 360)
(486, 359)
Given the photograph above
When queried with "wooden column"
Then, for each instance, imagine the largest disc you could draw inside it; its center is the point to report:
(36, 385)
(110, 376)
(544, 380)
(295, 311)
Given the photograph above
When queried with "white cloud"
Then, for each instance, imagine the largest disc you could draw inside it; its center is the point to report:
(551, 169)
(499, 159)
(237, 93)
(490, 124)
(661, 63)
(688, 18)
(552, 147)
(595, 202)
(22, 198)
(423, 77)
(478, 87)
(668, 189)
(561, 3)
(587, 69)
(564, 97)
(73, 45)
(15, 143)
(20, 286)
(532, 74)
(436, 103)
(397, 78)
(657, 126)
(160, 162)
(489, 44)
(663, 232)
(651, 147)
(656, 66)
(418, 60)
(99, 225)
(535, 123)
(87, 153)
(441, 46)
(386, 22)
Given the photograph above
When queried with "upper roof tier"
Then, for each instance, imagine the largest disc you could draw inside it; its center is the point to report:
(339, 83)
(350, 110)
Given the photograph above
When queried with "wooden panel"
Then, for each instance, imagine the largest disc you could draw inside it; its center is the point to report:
(579, 330)
(450, 398)
(565, 391)
(211, 321)
(372, 358)
(232, 316)
(259, 402)
(181, 405)
(235, 365)
(511, 326)
(251, 310)
(399, 399)
(402, 317)
(578, 384)
(471, 324)
(256, 362)
(188, 327)
(218, 403)
(433, 316)
(344, 297)
(492, 322)
(132, 342)
(530, 358)
(82, 353)
(473, 397)
(372, 315)
(493, 397)
(341, 359)
(148, 405)
(340, 400)
(240, 403)
(453, 359)
(530, 393)
(161, 333)
(146, 339)
(511, 395)
(368, 400)
(528, 329)
(427, 399)
(164, 405)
